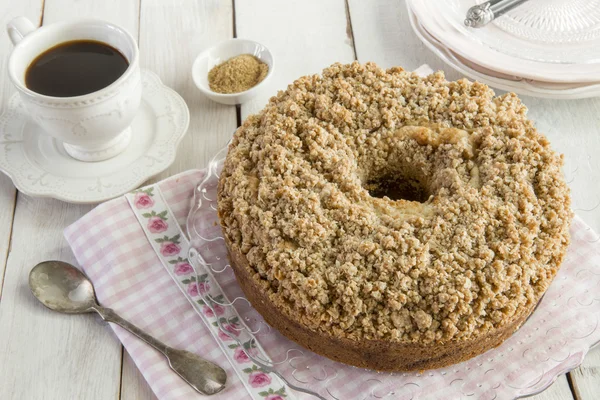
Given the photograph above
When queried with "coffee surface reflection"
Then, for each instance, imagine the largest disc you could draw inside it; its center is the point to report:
(75, 68)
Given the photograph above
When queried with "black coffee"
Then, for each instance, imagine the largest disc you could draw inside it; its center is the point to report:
(75, 68)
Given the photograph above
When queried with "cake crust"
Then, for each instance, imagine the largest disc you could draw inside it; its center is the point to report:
(431, 279)
(380, 355)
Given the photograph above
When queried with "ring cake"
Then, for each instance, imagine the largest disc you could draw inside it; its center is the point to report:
(390, 221)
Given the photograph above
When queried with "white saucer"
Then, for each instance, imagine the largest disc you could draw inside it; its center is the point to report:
(39, 165)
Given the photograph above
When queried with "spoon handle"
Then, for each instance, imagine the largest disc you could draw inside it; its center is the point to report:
(109, 315)
(204, 376)
(484, 13)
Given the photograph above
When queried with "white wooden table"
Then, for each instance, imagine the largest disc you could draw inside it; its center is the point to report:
(45, 355)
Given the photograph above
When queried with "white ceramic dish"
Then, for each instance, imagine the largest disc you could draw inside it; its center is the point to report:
(39, 165)
(222, 52)
(511, 83)
(549, 31)
(443, 21)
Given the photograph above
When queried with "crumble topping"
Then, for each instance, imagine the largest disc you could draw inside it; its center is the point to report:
(481, 246)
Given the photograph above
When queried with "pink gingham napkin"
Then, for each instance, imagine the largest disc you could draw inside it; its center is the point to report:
(110, 245)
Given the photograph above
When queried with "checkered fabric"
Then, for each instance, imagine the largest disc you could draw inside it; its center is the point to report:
(113, 250)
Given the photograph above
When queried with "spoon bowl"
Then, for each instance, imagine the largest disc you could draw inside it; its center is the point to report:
(62, 287)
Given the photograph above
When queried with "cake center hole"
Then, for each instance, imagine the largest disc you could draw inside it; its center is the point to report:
(398, 188)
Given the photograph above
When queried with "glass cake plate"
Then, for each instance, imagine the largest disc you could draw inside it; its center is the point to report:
(553, 341)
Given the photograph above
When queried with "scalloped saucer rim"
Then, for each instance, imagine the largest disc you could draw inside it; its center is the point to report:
(39, 166)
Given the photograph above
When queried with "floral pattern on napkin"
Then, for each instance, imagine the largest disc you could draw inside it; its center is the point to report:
(171, 246)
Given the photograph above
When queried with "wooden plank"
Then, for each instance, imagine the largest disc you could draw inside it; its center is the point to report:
(45, 354)
(187, 27)
(382, 34)
(8, 197)
(133, 384)
(586, 379)
(31, 9)
(304, 37)
(124, 13)
(559, 390)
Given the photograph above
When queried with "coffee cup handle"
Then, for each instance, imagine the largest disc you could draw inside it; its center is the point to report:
(18, 28)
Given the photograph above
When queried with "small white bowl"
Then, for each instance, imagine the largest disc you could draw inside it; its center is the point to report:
(222, 52)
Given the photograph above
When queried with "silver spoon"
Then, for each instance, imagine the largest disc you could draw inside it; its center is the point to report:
(62, 287)
(482, 14)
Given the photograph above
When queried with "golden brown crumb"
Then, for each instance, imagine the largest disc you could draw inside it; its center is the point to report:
(484, 243)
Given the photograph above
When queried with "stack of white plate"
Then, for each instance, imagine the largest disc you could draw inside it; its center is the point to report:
(543, 48)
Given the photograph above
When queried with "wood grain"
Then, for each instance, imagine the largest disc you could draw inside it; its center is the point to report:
(8, 198)
(559, 390)
(46, 355)
(124, 13)
(133, 384)
(31, 9)
(382, 34)
(586, 379)
(187, 27)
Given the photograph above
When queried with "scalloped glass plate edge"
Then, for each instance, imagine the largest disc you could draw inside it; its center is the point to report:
(524, 368)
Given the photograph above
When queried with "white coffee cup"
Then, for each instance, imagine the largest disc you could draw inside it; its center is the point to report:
(92, 127)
